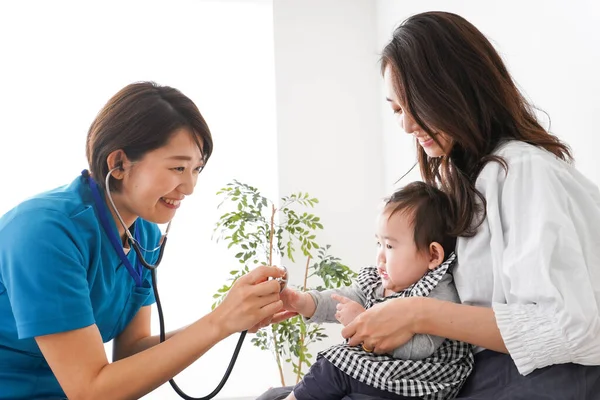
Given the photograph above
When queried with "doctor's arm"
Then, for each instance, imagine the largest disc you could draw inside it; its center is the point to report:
(78, 360)
(137, 337)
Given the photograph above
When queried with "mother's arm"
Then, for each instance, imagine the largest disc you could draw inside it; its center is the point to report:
(424, 315)
(471, 324)
(544, 242)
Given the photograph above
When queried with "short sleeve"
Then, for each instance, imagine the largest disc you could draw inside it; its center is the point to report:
(43, 268)
(151, 299)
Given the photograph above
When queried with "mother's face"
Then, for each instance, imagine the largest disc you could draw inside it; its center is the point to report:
(408, 124)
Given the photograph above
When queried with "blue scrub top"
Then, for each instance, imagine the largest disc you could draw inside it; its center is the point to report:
(59, 272)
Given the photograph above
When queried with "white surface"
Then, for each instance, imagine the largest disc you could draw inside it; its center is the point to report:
(328, 123)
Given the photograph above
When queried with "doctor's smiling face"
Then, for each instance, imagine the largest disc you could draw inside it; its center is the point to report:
(154, 187)
(155, 141)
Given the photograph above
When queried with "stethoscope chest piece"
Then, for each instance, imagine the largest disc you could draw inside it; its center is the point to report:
(283, 281)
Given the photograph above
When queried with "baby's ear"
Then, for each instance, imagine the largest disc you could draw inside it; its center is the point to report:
(436, 255)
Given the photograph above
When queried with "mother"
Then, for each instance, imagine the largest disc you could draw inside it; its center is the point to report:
(529, 251)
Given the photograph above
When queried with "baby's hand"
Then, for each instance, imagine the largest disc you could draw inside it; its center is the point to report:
(347, 309)
(293, 300)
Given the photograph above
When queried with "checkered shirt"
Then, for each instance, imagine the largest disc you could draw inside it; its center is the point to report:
(439, 376)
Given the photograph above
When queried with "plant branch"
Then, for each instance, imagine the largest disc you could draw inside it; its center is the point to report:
(271, 234)
(281, 377)
(256, 238)
(277, 357)
(299, 375)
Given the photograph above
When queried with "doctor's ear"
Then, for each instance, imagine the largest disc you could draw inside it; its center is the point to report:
(116, 161)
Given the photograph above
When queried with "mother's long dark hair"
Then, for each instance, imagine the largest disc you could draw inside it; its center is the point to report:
(450, 79)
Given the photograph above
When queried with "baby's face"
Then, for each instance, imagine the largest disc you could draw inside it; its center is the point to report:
(399, 262)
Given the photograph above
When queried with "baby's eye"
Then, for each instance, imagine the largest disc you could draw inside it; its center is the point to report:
(388, 246)
(378, 244)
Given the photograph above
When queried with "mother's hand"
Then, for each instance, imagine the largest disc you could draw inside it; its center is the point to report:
(385, 326)
(250, 300)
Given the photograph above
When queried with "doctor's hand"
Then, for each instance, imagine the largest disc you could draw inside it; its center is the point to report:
(347, 310)
(294, 303)
(385, 326)
(273, 319)
(251, 300)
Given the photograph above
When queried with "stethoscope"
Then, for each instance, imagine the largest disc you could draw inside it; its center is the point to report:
(136, 273)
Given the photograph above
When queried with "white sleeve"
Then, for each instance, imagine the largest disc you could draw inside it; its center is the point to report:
(548, 220)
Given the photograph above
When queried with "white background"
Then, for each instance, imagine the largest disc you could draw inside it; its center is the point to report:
(292, 93)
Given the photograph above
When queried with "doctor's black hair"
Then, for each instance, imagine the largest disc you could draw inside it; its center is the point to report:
(432, 214)
(140, 118)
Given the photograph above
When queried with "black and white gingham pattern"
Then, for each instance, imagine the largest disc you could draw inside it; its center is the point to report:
(439, 376)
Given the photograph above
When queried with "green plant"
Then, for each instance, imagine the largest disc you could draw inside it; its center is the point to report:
(256, 229)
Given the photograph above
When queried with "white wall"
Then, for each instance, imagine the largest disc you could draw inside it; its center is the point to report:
(552, 49)
(328, 121)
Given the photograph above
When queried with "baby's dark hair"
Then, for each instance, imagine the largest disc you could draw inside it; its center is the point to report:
(432, 214)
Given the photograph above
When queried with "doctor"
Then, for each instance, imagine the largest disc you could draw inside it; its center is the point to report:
(69, 280)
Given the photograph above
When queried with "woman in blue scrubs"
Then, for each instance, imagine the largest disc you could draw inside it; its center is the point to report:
(70, 282)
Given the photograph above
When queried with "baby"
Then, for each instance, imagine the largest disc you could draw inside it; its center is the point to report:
(414, 258)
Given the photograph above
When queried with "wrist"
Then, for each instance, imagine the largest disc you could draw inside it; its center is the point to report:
(424, 308)
(308, 305)
(218, 323)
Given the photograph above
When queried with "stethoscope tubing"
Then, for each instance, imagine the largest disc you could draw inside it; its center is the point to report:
(161, 319)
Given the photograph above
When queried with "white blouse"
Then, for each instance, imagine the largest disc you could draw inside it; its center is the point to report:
(536, 258)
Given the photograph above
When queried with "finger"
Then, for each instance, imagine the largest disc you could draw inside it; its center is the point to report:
(255, 328)
(340, 299)
(384, 347)
(265, 322)
(266, 300)
(259, 274)
(266, 288)
(261, 324)
(270, 309)
(282, 316)
(369, 348)
(350, 332)
(355, 340)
